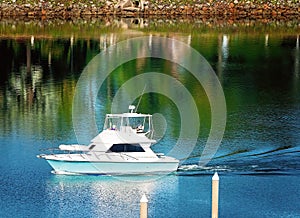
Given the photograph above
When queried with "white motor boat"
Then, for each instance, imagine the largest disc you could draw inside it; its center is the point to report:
(122, 148)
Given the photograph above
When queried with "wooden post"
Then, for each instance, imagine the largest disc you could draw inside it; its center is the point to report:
(215, 196)
(144, 207)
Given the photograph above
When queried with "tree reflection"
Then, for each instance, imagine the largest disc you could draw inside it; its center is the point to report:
(39, 75)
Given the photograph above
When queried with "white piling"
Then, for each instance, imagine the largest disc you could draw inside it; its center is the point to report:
(215, 196)
(144, 207)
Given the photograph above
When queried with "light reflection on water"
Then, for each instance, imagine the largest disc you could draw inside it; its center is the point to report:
(103, 196)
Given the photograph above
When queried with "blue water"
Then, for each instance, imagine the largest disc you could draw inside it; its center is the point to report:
(28, 189)
(257, 161)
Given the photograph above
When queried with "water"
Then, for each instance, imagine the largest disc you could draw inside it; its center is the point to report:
(258, 160)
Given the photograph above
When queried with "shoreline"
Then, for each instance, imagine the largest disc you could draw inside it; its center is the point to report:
(281, 10)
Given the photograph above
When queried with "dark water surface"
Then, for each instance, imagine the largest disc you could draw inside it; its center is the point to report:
(258, 159)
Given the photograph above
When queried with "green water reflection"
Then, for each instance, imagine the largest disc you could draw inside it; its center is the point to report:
(258, 70)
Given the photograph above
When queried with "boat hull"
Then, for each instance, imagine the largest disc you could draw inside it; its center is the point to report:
(112, 168)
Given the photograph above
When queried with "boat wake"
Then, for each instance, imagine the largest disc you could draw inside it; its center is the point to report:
(195, 167)
(257, 161)
(196, 170)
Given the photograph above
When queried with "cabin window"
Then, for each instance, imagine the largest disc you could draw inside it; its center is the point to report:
(126, 148)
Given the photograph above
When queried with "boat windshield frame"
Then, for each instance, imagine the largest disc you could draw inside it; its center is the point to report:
(142, 123)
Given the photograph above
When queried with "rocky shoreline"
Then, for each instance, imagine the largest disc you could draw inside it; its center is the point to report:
(129, 8)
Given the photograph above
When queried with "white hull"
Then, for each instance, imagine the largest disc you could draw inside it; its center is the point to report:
(112, 168)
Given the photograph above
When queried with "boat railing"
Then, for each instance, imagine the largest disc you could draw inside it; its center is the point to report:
(149, 134)
(54, 151)
(126, 155)
(50, 150)
(54, 154)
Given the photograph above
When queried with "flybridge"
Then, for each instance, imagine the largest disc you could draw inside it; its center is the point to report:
(140, 123)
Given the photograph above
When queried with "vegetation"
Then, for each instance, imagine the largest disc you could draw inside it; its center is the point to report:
(162, 1)
(95, 27)
(178, 2)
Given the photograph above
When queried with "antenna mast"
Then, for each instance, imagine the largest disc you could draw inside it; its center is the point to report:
(140, 98)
